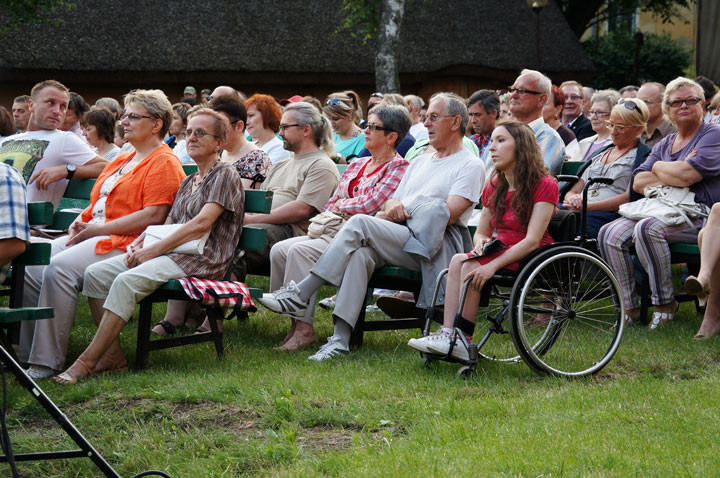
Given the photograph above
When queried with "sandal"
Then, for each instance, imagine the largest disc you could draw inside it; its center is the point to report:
(628, 320)
(69, 378)
(660, 318)
(694, 287)
(167, 328)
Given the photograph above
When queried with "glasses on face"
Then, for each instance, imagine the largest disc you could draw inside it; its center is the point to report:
(134, 117)
(433, 118)
(620, 128)
(687, 101)
(523, 91)
(599, 114)
(630, 105)
(377, 127)
(198, 133)
(283, 127)
(573, 97)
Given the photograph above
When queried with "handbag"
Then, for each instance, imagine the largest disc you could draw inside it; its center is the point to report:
(153, 234)
(672, 205)
(221, 293)
(325, 225)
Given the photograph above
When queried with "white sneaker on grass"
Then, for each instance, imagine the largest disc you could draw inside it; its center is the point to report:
(422, 343)
(285, 301)
(333, 348)
(441, 346)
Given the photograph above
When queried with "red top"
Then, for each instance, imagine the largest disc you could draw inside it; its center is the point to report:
(355, 182)
(509, 228)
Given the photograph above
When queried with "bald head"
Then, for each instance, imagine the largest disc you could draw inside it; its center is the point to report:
(223, 91)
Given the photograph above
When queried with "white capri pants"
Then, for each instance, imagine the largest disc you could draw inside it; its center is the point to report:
(122, 288)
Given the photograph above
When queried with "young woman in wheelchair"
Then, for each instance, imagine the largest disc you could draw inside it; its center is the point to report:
(518, 203)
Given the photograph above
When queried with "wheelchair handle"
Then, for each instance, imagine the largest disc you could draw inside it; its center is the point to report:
(590, 182)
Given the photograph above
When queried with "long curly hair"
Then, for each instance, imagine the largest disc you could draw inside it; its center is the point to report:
(529, 170)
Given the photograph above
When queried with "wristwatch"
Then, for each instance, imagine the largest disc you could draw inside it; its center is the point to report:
(70, 170)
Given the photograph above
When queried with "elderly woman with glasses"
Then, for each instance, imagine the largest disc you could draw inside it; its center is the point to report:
(344, 111)
(603, 102)
(617, 161)
(209, 201)
(132, 192)
(366, 184)
(687, 158)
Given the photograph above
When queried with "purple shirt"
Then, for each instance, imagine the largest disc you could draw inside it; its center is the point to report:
(706, 161)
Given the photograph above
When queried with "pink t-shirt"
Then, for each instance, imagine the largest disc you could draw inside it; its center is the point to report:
(509, 228)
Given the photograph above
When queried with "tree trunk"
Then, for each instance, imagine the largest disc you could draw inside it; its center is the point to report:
(387, 78)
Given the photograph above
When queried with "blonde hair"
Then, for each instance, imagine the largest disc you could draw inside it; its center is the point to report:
(156, 103)
(630, 114)
(349, 105)
(676, 84)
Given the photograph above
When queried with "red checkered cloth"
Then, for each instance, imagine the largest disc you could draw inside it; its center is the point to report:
(226, 294)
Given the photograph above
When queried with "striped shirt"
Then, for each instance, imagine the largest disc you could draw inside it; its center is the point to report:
(222, 185)
(13, 209)
(372, 191)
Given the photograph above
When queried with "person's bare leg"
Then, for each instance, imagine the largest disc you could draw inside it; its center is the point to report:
(290, 332)
(711, 320)
(174, 315)
(303, 336)
(114, 357)
(453, 287)
(108, 332)
(709, 242)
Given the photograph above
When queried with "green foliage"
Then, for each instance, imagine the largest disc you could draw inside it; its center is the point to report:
(582, 14)
(661, 59)
(361, 18)
(16, 13)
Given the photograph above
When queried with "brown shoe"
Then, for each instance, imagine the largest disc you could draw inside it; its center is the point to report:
(399, 309)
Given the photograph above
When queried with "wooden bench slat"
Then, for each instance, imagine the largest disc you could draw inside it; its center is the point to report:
(79, 189)
(10, 316)
(36, 253)
(258, 201)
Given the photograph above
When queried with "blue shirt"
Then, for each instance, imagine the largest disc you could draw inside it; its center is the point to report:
(13, 209)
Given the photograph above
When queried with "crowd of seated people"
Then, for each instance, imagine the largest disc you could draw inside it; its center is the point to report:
(411, 166)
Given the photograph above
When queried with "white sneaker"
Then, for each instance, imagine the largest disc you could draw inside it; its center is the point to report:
(330, 350)
(441, 346)
(422, 343)
(285, 301)
(39, 372)
(327, 303)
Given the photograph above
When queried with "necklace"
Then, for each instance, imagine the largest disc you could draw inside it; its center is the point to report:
(606, 167)
(197, 181)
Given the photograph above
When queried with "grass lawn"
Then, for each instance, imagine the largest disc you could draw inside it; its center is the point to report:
(378, 412)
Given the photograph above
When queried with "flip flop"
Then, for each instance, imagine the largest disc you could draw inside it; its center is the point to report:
(69, 378)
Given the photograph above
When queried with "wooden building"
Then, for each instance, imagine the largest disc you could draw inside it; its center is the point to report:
(282, 47)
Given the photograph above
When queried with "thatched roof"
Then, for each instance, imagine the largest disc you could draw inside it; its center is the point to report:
(287, 36)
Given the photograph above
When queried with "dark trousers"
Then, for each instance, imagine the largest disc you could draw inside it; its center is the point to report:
(258, 262)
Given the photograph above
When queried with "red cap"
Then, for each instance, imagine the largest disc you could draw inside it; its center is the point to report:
(292, 99)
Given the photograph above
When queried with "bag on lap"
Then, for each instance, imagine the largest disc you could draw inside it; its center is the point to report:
(154, 234)
(672, 205)
(325, 225)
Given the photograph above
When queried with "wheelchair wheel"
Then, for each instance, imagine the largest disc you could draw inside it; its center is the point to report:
(498, 346)
(566, 312)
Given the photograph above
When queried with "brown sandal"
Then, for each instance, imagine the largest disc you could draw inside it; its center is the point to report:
(69, 378)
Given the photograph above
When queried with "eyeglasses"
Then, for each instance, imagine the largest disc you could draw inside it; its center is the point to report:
(433, 118)
(630, 105)
(375, 127)
(199, 134)
(283, 127)
(619, 127)
(573, 97)
(598, 113)
(134, 117)
(688, 101)
(523, 91)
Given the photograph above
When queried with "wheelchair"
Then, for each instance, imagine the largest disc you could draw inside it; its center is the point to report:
(562, 308)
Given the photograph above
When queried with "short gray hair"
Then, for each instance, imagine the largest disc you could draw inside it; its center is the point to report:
(676, 84)
(415, 101)
(307, 114)
(544, 83)
(454, 105)
(610, 95)
(394, 117)
(156, 103)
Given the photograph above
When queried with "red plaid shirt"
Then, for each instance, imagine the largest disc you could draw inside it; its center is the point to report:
(372, 191)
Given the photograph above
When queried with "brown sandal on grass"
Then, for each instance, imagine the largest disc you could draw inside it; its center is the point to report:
(70, 378)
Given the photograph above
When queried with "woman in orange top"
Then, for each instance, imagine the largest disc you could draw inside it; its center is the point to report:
(133, 192)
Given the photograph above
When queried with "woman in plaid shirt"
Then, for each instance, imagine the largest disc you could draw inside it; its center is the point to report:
(366, 184)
